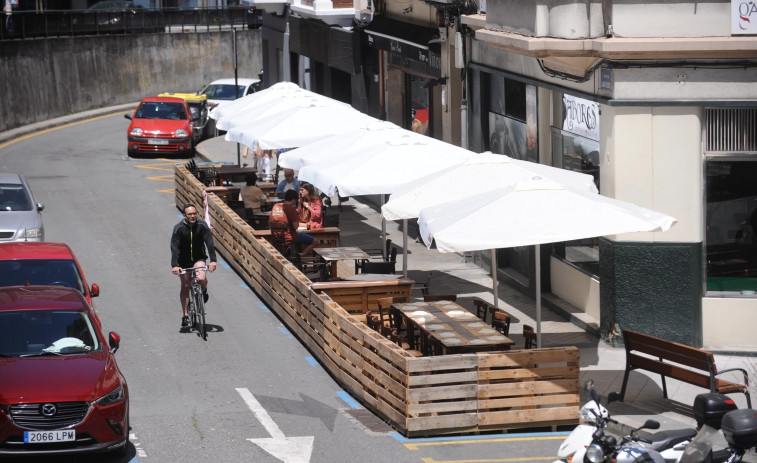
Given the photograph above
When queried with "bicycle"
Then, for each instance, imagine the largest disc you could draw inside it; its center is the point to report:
(196, 309)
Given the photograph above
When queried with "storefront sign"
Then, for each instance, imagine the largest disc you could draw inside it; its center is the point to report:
(580, 117)
(743, 17)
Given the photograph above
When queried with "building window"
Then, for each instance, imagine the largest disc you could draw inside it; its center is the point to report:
(575, 146)
(730, 143)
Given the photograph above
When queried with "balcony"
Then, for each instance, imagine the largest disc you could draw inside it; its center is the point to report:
(332, 12)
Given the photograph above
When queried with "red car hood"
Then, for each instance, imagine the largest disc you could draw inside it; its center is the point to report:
(57, 379)
(161, 126)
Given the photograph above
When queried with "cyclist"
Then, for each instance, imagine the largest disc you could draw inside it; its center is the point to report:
(189, 240)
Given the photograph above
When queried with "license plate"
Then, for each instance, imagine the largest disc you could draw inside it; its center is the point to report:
(44, 437)
(157, 141)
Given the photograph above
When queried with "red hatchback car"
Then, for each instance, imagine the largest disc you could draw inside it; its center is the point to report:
(43, 263)
(61, 389)
(160, 125)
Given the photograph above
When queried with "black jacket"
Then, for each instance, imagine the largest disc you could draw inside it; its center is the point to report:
(188, 244)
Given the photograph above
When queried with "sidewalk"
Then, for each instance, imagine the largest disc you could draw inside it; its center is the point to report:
(360, 223)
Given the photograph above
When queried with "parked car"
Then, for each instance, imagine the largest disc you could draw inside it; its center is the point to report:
(36, 263)
(222, 90)
(161, 125)
(112, 16)
(20, 218)
(61, 389)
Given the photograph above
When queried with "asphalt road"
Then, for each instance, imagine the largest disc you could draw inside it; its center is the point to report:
(195, 400)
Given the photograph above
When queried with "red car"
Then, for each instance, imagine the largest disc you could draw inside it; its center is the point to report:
(61, 389)
(160, 125)
(38, 263)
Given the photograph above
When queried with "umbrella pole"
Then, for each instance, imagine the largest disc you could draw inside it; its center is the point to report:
(537, 266)
(384, 251)
(495, 280)
(404, 248)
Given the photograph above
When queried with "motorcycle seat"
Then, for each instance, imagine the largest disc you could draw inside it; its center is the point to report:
(662, 440)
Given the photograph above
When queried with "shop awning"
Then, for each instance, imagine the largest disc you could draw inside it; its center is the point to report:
(403, 39)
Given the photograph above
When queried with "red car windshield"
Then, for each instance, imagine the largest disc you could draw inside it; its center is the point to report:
(161, 110)
(44, 272)
(28, 333)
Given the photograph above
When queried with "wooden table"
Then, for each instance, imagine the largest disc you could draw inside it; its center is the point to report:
(326, 237)
(456, 329)
(334, 255)
(371, 276)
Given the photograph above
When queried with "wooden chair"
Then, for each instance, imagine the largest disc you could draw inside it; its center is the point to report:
(482, 307)
(529, 335)
(378, 267)
(257, 220)
(430, 346)
(402, 341)
(423, 287)
(312, 266)
(501, 321)
(439, 297)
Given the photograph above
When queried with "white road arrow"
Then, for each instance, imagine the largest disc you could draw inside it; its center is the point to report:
(286, 449)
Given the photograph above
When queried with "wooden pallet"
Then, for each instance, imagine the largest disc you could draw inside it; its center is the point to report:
(418, 396)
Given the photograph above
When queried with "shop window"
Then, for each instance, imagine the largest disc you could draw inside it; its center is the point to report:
(575, 147)
(419, 108)
(730, 144)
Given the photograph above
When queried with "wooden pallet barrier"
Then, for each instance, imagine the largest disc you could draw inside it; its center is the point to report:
(418, 396)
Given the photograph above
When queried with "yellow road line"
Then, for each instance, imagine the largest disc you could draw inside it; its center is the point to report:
(489, 460)
(52, 129)
(168, 190)
(416, 446)
(161, 178)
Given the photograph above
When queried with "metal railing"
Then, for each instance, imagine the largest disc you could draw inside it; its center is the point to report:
(22, 25)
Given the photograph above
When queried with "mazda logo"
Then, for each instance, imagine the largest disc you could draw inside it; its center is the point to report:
(49, 409)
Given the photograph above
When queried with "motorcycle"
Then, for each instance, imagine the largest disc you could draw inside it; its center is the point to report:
(594, 416)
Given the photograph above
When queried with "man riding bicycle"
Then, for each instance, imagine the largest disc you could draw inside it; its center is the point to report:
(189, 239)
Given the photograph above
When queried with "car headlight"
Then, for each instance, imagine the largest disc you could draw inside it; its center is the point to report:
(136, 132)
(594, 454)
(112, 397)
(31, 233)
(181, 133)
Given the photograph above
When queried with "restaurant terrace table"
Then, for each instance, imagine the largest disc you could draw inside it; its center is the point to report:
(371, 276)
(326, 237)
(334, 255)
(456, 329)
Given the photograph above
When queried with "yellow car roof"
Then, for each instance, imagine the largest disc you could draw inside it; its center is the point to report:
(188, 97)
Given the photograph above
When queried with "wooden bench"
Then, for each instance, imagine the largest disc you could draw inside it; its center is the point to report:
(678, 361)
(359, 297)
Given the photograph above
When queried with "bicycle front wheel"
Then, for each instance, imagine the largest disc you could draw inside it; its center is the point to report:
(201, 317)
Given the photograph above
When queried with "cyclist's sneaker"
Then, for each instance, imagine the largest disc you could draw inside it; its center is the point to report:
(205, 295)
(184, 322)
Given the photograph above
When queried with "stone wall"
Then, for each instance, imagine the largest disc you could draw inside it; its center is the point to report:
(47, 78)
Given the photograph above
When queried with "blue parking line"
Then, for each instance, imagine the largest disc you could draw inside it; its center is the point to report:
(313, 362)
(243, 284)
(224, 264)
(346, 398)
(263, 307)
(285, 331)
(400, 438)
(134, 460)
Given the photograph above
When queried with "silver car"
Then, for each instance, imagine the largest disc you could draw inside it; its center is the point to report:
(20, 218)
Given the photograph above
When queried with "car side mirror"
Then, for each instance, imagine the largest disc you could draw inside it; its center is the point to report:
(127, 116)
(114, 341)
(40, 207)
(95, 290)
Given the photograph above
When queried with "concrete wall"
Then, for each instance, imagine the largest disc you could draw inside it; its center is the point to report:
(43, 79)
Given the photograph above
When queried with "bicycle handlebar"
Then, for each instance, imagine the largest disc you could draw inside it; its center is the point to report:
(193, 269)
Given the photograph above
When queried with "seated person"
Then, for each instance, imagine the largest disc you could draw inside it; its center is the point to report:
(250, 193)
(310, 209)
(284, 222)
(290, 182)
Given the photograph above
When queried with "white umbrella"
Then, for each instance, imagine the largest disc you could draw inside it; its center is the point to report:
(312, 120)
(348, 144)
(250, 107)
(383, 167)
(532, 212)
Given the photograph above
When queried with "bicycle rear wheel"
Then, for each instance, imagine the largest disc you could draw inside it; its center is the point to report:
(201, 317)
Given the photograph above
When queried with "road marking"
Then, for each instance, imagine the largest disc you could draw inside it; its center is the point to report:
(416, 444)
(263, 307)
(286, 332)
(137, 446)
(313, 362)
(53, 129)
(242, 284)
(286, 449)
(489, 460)
(346, 398)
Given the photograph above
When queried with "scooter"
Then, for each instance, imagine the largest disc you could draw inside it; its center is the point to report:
(669, 444)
